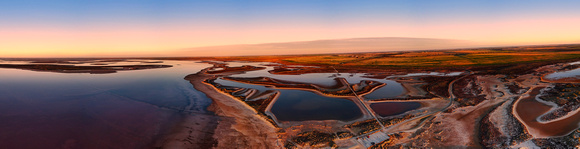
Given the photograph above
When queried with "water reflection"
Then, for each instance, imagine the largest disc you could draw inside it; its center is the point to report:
(574, 73)
(129, 109)
(300, 105)
(296, 105)
(386, 109)
(391, 90)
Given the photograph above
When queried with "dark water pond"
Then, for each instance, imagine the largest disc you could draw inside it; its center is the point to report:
(299, 105)
(296, 105)
(385, 109)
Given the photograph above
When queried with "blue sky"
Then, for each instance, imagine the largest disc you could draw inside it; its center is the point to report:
(74, 12)
(222, 22)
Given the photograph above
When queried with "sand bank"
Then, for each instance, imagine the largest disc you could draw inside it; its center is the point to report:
(239, 126)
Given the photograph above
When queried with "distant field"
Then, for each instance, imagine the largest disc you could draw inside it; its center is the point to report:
(430, 59)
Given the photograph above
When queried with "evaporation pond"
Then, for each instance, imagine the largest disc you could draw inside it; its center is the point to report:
(297, 105)
(385, 109)
(575, 73)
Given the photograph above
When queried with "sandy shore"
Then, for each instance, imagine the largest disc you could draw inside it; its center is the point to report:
(239, 126)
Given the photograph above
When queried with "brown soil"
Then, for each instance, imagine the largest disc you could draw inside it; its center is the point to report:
(468, 92)
(240, 126)
(438, 85)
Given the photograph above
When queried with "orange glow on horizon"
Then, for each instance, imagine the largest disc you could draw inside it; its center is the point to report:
(124, 40)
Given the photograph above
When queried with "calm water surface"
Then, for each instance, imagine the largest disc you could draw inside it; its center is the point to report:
(392, 89)
(299, 105)
(574, 73)
(132, 109)
(386, 109)
(128, 109)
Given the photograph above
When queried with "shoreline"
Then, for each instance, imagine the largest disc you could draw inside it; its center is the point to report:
(544, 129)
(239, 126)
(236, 116)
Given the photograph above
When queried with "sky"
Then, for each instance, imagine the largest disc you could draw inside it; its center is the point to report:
(75, 28)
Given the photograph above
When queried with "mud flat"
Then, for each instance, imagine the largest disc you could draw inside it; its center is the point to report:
(455, 129)
(240, 125)
(500, 129)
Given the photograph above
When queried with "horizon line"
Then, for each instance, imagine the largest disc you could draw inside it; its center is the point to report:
(418, 50)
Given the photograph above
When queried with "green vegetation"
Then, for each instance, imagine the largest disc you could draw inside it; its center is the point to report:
(563, 94)
(464, 58)
(389, 142)
(314, 138)
(566, 96)
(572, 139)
(437, 59)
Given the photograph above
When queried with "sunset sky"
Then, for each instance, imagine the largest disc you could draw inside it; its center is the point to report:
(73, 28)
